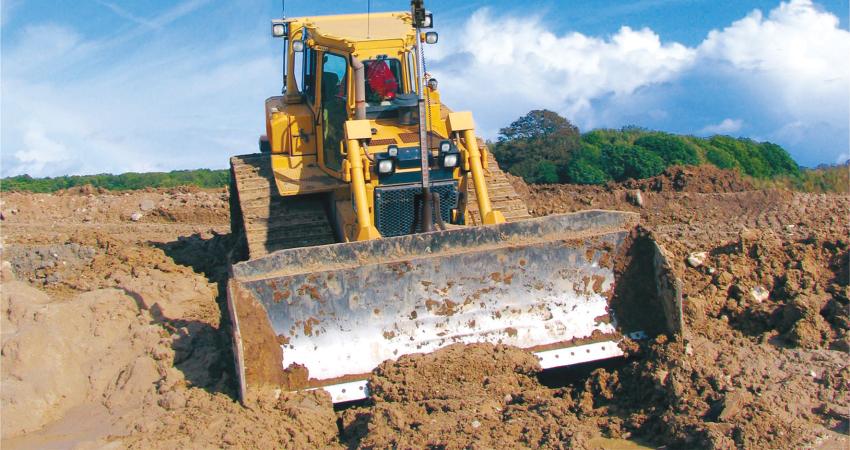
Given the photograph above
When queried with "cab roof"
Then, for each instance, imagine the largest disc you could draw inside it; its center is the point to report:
(353, 28)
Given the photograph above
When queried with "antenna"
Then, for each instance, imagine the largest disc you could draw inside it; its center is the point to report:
(285, 44)
(368, 19)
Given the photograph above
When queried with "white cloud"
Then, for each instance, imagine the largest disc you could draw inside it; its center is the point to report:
(123, 13)
(40, 150)
(726, 126)
(161, 20)
(797, 61)
(151, 99)
(74, 108)
(508, 66)
(790, 67)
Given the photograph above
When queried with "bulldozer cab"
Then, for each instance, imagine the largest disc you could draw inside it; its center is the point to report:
(320, 58)
(327, 74)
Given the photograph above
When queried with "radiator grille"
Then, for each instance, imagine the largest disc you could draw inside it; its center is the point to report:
(408, 138)
(387, 141)
(397, 207)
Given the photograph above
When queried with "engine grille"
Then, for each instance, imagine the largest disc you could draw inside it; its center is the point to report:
(397, 207)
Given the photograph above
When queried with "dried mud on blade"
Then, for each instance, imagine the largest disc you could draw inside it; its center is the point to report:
(567, 287)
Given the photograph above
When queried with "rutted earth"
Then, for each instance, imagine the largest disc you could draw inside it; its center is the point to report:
(113, 335)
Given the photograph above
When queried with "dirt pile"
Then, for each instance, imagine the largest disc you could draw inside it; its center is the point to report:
(705, 179)
(765, 272)
(204, 420)
(123, 343)
(130, 314)
(791, 289)
(97, 349)
(477, 396)
(725, 392)
(91, 206)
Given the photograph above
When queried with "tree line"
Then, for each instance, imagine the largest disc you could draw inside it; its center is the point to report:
(543, 147)
(202, 178)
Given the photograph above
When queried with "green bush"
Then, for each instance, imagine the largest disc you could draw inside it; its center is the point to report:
(672, 149)
(778, 160)
(537, 146)
(536, 171)
(759, 160)
(582, 171)
(602, 155)
(721, 158)
(623, 162)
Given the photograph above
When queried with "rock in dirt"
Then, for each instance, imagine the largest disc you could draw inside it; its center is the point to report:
(697, 259)
(136, 216)
(147, 205)
(759, 294)
(6, 273)
(635, 198)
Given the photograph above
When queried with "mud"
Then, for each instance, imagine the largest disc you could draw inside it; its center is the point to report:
(477, 396)
(127, 343)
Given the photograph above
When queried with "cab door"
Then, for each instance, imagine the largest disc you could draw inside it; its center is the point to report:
(332, 110)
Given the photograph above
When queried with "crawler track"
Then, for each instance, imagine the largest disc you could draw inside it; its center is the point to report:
(267, 221)
(503, 197)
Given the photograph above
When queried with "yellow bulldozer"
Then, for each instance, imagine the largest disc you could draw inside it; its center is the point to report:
(374, 223)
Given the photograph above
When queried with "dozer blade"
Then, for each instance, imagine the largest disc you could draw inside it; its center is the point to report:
(567, 287)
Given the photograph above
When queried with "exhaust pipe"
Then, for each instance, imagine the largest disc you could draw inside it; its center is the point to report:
(359, 88)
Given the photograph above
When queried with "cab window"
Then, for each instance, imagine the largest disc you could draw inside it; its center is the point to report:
(334, 112)
(383, 81)
(310, 76)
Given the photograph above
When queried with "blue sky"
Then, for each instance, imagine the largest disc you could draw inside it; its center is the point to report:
(93, 86)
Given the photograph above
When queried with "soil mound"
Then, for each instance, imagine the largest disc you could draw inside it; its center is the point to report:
(199, 419)
(114, 335)
(97, 349)
(705, 178)
(476, 396)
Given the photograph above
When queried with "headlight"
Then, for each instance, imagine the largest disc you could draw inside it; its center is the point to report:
(445, 146)
(298, 46)
(392, 151)
(431, 37)
(386, 166)
(450, 160)
(278, 28)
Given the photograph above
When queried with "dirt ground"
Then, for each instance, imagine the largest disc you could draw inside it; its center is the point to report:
(115, 335)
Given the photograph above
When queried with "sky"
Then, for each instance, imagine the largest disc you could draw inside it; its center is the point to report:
(109, 86)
